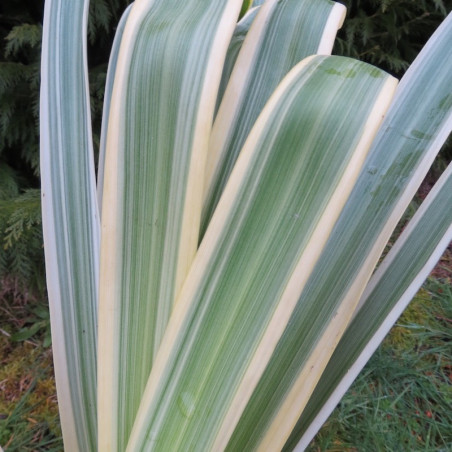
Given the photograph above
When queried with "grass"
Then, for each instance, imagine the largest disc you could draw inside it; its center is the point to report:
(28, 404)
(402, 399)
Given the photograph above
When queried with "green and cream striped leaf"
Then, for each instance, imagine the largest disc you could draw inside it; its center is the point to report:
(269, 228)
(107, 101)
(388, 293)
(282, 34)
(70, 217)
(166, 81)
(412, 133)
(240, 32)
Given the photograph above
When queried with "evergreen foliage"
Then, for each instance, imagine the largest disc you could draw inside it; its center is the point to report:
(21, 236)
(21, 250)
(387, 33)
(20, 221)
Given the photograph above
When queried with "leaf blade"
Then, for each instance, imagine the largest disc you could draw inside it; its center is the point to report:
(70, 218)
(282, 34)
(167, 75)
(107, 102)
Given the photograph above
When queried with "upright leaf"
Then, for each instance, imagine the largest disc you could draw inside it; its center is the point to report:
(107, 101)
(282, 34)
(166, 81)
(70, 217)
(239, 35)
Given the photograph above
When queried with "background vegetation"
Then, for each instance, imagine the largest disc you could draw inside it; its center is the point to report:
(389, 403)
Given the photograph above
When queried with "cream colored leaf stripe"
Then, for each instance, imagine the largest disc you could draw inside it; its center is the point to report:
(240, 32)
(70, 217)
(269, 228)
(282, 34)
(166, 81)
(107, 100)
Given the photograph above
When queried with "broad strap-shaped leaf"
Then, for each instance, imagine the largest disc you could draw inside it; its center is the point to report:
(107, 101)
(240, 32)
(413, 130)
(388, 293)
(282, 34)
(269, 228)
(166, 81)
(70, 218)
